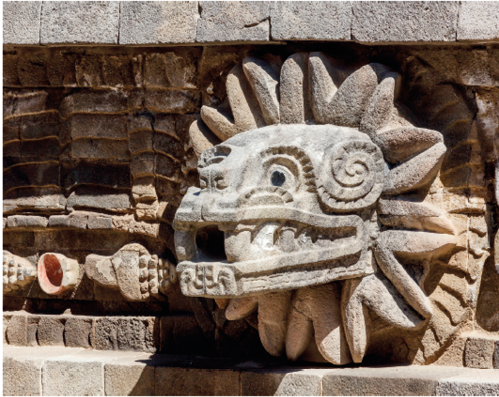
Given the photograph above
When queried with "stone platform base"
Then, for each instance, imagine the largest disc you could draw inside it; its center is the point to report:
(76, 371)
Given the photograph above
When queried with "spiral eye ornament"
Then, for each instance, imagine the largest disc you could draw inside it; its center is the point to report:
(353, 175)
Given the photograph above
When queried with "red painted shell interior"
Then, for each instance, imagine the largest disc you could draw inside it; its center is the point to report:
(50, 274)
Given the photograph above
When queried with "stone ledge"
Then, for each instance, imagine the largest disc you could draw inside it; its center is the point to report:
(38, 370)
(154, 23)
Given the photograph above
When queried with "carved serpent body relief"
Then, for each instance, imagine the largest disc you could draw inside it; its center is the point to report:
(296, 209)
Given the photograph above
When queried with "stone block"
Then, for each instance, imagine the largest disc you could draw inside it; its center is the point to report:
(138, 334)
(31, 175)
(87, 172)
(414, 21)
(26, 103)
(383, 381)
(77, 221)
(168, 144)
(21, 22)
(78, 332)
(475, 382)
(479, 353)
(50, 331)
(310, 20)
(84, 197)
(106, 334)
(26, 221)
(478, 21)
(98, 126)
(282, 383)
(100, 149)
(17, 331)
(22, 377)
(196, 382)
(154, 22)
(173, 101)
(97, 101)
(135, 379)
(100, 222)
(234, 21)
(85, 22)
(172, 69)
(496, 354)
(140, 141)
(10, 77)
(142, 164)
(72, 377)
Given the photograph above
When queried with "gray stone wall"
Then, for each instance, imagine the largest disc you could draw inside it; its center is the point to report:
(190, 22)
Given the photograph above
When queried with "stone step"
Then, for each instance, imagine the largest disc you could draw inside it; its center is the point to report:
(77, 371)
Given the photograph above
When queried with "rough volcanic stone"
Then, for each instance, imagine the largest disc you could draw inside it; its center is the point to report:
(155, 22)
(72, 377)
(222, 21)
(391, 21)
(478, 20)
(139, 334)
(496, 355)
(50, 331)
(106, 334)
(77, 332)
(82, 22)
(17, 332)
(129, 379)
(310, 20)
(479, 353)
(21, 22)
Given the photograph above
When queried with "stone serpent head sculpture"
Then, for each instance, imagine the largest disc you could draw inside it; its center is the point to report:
(307, 207)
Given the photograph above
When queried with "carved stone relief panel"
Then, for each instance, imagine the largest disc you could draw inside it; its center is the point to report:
(329, 209)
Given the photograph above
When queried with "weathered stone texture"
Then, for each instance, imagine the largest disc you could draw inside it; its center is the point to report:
(191, 381)
(237, 21)
(83, 22)
(155, 22)
(72, 377)
(22, 377)
(391, 21)
(21, 22)
(135, 379)
(478, 21)
(310, 20)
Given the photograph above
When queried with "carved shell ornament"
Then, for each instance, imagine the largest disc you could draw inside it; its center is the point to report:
(310, 206)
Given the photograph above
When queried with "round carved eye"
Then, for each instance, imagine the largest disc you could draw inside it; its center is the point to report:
(277, 178)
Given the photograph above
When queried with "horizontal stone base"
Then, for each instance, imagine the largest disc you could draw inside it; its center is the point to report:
(77, 371)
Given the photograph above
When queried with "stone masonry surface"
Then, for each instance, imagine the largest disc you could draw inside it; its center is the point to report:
(73, 371)
(157, 23)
